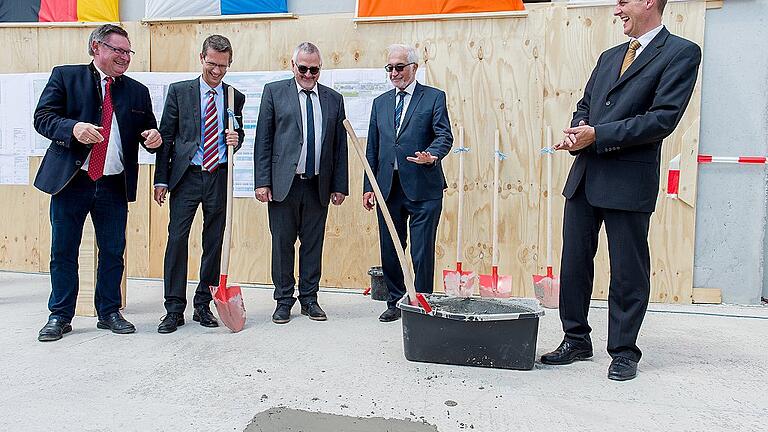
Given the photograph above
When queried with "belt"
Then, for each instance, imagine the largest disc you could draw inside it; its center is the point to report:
(304, 177)
(198, 168)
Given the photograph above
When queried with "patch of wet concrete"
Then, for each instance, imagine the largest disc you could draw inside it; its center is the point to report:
(283, 419)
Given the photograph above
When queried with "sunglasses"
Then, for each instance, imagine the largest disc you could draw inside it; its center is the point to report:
(313, 70)
(398, 67)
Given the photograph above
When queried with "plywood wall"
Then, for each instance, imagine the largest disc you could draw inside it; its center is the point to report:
(517, 75)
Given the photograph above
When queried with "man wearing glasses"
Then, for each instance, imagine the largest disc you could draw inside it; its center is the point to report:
(192, 165)
(408, 136)
(300, 164)
(95, 118)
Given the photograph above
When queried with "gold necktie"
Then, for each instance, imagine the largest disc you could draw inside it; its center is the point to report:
(629, 57)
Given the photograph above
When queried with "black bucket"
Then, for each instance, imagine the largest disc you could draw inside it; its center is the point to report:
(484, 332)
(379, 289)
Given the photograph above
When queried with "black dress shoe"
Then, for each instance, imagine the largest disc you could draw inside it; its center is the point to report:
(205, 317)
(53, 330)
(567, 353)
(389, 315)
(313, 311)
(282, 314)
(171, 322)
(622, 369)
(116, 323)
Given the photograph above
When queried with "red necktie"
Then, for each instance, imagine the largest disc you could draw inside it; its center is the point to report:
(211, 138)
(99, 150)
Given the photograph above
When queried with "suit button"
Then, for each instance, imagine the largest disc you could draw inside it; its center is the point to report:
(607, 103)
(78, 163)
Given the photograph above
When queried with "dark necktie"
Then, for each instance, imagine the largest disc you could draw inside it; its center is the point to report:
(99, 150)
(309, 168)
(399, 109)
(211, 136)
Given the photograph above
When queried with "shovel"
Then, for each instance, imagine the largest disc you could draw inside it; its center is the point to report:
(229, 300)
(413, 297)
(494, 284)
(547, 287)
(460, 283)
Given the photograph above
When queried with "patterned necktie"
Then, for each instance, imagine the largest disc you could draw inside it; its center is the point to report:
(309, 168)
(211, 136)
(99, 150)
(629, 57)
(399, 109)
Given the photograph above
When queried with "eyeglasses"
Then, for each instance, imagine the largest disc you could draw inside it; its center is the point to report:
(398, 67)
(213, 65)
(118, 51)
(313, 70)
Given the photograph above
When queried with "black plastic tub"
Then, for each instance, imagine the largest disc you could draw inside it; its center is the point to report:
(475, 331)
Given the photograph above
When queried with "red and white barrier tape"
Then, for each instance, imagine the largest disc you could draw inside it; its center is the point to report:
(673, 174)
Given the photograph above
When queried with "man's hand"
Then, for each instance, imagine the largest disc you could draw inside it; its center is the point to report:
(577, 138)
(337, 198)
(422, 158)
(160, 192)
(369, 201)
(152, 138)
(232, 138)
(87, 133)
(264, 194)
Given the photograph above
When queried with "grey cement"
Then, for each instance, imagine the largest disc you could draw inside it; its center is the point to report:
(700, 371)
(291, 420)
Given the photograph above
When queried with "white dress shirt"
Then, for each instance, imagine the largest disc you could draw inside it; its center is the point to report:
(407, 101)
(318, 121)
(646, 39)
(114, 160)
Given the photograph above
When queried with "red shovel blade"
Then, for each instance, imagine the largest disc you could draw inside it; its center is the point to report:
(495, 285)
(229, 304)
(547, 290)
(458, 283)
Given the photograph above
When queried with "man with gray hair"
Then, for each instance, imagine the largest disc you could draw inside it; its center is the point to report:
(192, 165)
(95, 118)
(409, 134)
(300, 164)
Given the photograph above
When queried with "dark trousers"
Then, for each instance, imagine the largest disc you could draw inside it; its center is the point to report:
(106, 201)
(195, 188)
(630, 284)
(422, 217)
(300, 215)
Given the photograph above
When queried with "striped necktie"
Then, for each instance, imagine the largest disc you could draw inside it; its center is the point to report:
(629, 57)
(399, 109)
(211, 136)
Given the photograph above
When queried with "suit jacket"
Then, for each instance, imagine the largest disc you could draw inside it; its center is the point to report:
(181, 127)
(631, 115)
(424, 127)
(72, 95)
(279, 139)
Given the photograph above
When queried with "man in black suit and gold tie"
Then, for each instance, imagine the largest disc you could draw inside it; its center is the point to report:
(192, 165)
(95, 118)
(300, 164)
(634, 99)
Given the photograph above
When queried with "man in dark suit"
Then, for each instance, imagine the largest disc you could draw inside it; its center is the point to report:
(634, 99)
(409, 134)
(300, 163)
(96, 118)
(192, 165)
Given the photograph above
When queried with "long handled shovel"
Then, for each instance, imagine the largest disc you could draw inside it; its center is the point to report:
(229, 300)
(547, 287)
(494, 284)
(460, 283)
(413, 297)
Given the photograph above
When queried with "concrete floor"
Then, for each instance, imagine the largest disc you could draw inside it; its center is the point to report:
(700, 371)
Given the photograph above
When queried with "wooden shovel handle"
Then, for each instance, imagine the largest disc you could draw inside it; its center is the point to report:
(549, 197)
(495, 209)
(459, 216)
(408, 278)
(228, 221)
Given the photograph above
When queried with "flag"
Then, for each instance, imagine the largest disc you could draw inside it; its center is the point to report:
(381, 8)
(59, 11)
(189, 8)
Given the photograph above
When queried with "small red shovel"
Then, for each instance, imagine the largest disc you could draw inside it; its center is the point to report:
(460, 283)
(229, 300)
(494, 284)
